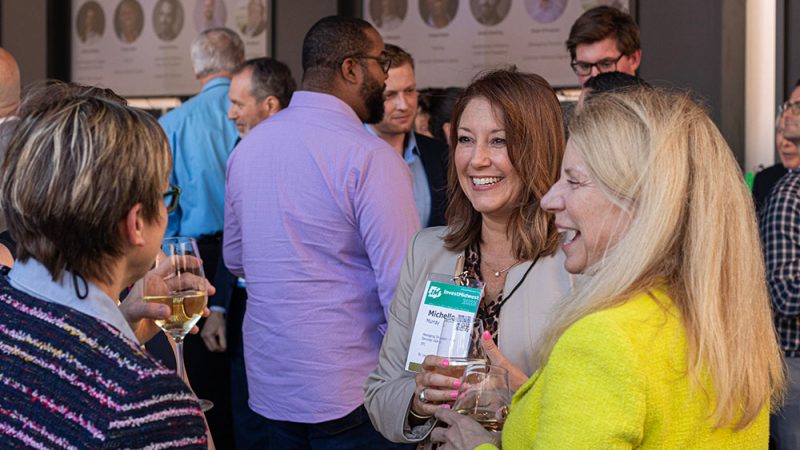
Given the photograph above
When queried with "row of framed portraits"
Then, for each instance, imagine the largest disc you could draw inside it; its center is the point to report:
(142, 47)
(454, 40)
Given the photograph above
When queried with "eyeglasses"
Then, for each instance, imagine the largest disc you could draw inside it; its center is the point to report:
(794, 107)
(604, 65)
(382, 60)
(171, 197)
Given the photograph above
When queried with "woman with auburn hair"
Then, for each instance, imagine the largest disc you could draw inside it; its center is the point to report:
(668, 343)
(508, 140)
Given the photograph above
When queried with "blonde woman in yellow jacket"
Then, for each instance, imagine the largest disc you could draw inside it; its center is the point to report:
(668, 343)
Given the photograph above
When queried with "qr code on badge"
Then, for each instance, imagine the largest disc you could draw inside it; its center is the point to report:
(463, 323)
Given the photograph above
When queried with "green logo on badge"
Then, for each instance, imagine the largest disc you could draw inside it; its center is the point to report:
(462, 298)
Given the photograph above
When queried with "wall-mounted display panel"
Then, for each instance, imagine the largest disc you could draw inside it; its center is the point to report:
(452, 40)
(142, 47)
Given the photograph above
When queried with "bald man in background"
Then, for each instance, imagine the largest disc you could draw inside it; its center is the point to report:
(9, 91)
(9, 102)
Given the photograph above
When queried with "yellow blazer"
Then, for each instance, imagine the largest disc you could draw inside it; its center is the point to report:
(617, 379)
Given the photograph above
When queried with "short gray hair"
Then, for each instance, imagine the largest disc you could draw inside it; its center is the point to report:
(269, 77)
(216, 50)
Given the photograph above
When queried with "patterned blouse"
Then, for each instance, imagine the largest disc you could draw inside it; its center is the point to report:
(489, 308)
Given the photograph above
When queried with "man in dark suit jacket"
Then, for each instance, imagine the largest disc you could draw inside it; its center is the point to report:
(426, 157)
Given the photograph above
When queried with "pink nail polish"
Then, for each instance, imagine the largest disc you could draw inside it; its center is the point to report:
(453, 394)
(445, 363)
(457, 384)
(487, 335)
(445, 406)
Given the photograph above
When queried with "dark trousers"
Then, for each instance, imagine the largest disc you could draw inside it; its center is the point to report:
(209, 372)
(352, 432)
(245, 422)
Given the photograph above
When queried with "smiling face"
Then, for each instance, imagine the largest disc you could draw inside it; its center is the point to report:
(590, 221)
(787, 150)
(791, 121)
(399, 101)
(485, 172)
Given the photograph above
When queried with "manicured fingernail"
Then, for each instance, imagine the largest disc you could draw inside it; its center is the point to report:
(445, 363)
(457, 383)
(454, 394)
(487, 335)
(446, 406)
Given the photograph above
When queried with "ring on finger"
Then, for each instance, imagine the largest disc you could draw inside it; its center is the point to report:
(421, 396)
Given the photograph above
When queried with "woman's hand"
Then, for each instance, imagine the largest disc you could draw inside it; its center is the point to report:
(140, 314)
(462, 433)
(438, 389)
(516, 377)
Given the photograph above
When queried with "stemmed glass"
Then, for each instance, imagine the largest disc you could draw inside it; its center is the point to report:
(181, 285)
(484, 395)
(459, 342)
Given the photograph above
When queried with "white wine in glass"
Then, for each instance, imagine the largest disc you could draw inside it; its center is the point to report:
(484, 395)
(179, 283)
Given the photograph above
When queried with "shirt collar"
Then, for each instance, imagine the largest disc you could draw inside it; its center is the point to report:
(33, 278)
(320, 100)
(214, 82)
(411, 143)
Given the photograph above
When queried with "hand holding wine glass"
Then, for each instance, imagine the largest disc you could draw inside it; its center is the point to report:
(180, 284)
(440, 377)
(142, 315)
(484, 395)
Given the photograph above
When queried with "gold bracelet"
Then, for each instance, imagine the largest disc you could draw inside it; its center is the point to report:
(411, 411)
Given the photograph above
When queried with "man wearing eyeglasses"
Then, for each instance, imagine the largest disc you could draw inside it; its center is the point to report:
(780, 233)
(604, 39)
(790, 111)
(318, 215)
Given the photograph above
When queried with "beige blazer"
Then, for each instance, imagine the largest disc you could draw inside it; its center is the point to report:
(389, 388)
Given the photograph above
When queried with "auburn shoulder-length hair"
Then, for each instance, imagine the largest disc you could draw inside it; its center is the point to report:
(535, 141)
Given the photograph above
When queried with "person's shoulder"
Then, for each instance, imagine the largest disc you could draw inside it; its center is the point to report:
(644, 313)
(786, 190)
(430, 238)
(424, 142)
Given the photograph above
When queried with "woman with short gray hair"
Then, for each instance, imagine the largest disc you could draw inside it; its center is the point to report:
(84, 190)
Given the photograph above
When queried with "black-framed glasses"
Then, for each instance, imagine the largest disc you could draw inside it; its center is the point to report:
(172, 197)
(382, 60)
(604, 65)
(794, 107)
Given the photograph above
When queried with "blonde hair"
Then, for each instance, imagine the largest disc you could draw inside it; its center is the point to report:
(75, 167)
(693, 227)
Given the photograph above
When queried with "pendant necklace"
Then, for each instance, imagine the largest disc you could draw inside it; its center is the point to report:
(497, 273)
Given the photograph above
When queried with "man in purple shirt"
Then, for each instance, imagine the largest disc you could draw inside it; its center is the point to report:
(318, 217)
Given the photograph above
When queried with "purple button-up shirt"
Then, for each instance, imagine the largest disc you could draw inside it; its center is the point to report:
(318, 217)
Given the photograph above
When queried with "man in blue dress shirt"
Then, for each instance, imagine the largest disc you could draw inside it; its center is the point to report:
(201, 137)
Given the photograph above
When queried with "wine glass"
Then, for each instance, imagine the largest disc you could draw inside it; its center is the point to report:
(180, 284)
(484, 395)
(459, 342)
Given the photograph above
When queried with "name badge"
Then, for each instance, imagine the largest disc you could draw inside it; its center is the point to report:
(442, 299)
